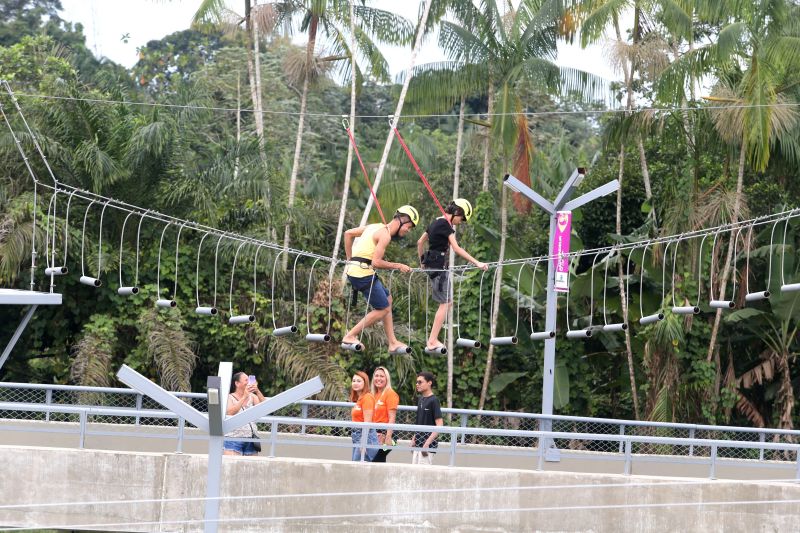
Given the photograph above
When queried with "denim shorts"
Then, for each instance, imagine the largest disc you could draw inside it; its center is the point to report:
(244, 448)
(378, 296)
(372, 438)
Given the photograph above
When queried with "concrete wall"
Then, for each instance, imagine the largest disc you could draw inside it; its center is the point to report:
(368, 497)
(119, 437)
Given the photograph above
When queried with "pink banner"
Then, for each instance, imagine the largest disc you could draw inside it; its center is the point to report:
(561, 250)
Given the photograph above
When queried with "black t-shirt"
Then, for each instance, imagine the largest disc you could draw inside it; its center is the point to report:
(439, 235)
(428, 410)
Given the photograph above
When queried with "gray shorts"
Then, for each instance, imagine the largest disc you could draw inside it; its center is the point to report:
(440, 287)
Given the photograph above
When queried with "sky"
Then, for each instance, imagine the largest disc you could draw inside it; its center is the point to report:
(109, 24)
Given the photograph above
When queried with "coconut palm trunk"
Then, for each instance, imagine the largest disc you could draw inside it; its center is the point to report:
(298, 144)
(349, 168)
(487, 149)
(456, 186)
(726, 270)
(622, 295)
(398, 109)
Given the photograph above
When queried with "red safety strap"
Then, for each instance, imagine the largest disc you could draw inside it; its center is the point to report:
(416, 167)
(366, 176)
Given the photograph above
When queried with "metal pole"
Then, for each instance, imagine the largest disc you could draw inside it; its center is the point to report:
(15, 337)
(212, 488)
(548, 377)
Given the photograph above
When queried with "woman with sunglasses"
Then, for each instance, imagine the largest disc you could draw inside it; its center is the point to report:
(386, 402)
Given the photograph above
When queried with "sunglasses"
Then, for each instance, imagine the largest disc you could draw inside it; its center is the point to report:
(420, 382)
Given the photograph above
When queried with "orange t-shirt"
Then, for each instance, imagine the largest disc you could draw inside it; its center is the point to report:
(365, 403)
(388, 400)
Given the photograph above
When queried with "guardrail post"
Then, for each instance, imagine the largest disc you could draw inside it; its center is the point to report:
(712, 474)
(761, 450)
(363, 443)
(453, 442)
(304, 415)
(83, 429)
(691, 446)
(138, 406)
(628, 457)
(273, 436)
(48, 399)
(797, 470)
(621, 442)
(464, 425)
(181, 424)
(540, 466)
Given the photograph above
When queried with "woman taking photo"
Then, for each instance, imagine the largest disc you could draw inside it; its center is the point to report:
(244, 394)
(362, 412)
(386, 402)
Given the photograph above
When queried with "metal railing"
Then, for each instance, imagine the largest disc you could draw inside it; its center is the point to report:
(282, 431)
(514, 432)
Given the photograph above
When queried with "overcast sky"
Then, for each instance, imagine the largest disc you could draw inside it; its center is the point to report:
(108, 24)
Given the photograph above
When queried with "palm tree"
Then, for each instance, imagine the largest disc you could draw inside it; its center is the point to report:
(333, 17)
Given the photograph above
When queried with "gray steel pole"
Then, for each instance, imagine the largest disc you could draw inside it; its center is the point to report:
(548, 371)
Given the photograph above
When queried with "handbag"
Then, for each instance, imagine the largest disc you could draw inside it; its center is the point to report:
(257, 444)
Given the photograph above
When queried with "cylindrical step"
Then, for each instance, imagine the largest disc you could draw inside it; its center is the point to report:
(286, 330)
(91, 282)
(542, 335)
(318, 337)
(166, 303)
(468, 343)
(208, 311)
(685, 310)
(722, 304)
(579, 333)
(649, 319)
(503, 341)
(55, 271)
(241, 319)
(128, 291)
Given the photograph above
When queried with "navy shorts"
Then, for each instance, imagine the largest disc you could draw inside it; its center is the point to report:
(373, 290)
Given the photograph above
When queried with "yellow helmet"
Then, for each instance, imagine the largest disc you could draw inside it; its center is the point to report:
(465, 206)
(410, 212)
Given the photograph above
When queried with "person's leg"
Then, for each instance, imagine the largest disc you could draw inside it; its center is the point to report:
(436, 328)
(372, 317)
(249, 448)
(372, 440)
(231, 447)
(388, 326)
(375, 294)
(356, 437)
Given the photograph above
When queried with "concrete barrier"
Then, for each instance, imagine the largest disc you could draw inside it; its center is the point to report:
(163, 492)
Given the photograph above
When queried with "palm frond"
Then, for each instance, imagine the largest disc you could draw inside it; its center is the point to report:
(169, 347)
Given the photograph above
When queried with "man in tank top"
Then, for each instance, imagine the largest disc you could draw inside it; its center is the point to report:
(367, 255)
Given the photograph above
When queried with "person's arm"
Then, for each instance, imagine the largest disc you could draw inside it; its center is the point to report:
(392, 417)
(349, 236)
(237, 405)
(258, 397)
(432, 437)
(380, 248)
(421, 246)
(463, 253)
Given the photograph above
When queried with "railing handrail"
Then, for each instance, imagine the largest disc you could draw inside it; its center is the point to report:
(454, 411)
(449, 430)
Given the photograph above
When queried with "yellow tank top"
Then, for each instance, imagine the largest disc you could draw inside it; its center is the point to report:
(364, 246)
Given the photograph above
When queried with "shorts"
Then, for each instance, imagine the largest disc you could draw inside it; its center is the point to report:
(244, 448)
(375, 293)
(440, 287)
(372, 439)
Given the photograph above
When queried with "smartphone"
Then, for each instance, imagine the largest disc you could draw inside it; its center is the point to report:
(251, 380)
